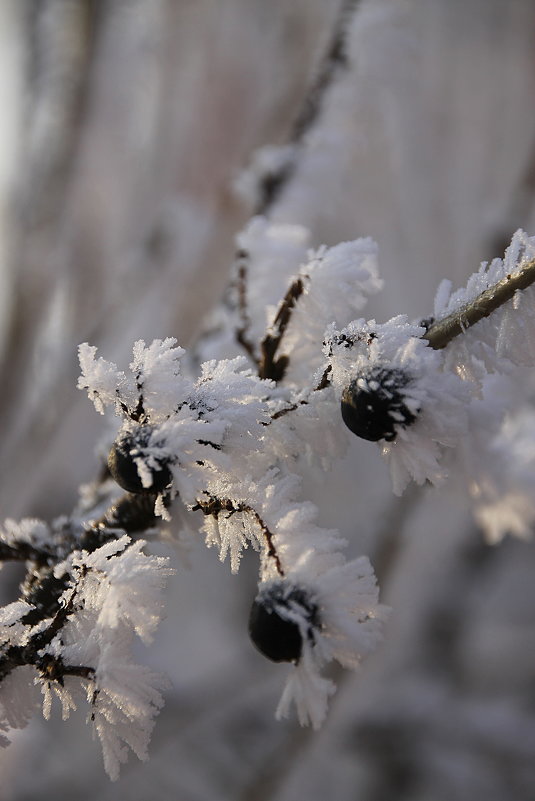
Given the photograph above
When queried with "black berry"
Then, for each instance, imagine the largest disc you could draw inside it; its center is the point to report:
(123, 468)
(273, 632)
(374, 404)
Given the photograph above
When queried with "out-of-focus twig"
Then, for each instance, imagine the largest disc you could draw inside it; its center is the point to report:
(334, 60)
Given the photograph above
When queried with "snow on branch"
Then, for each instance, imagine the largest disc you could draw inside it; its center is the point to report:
(225, 447)
(520, 277)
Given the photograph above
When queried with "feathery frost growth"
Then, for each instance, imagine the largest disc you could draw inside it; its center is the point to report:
(224, 446)
(216, 440)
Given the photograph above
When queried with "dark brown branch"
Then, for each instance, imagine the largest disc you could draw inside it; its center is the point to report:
(242, 262)
(53, 668)
(270, 366)
(444, 331)
(18, 655)
(268, 536)
(23, 551)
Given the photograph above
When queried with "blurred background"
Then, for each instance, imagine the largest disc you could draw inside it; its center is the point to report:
(124, 126)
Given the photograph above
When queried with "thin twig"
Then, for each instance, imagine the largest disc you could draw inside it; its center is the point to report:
(442, 332)
(323, 384)
(270, 366)
(242, 264)
(522, 199)
(23, 551)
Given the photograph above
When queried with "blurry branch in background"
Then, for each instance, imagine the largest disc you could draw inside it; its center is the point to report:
(275, 178)
(334, 60)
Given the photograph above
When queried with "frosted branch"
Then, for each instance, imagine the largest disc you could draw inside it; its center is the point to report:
(214, 506)
(444, 331)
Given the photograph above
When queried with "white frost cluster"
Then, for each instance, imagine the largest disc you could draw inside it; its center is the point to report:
(227, 451)
(194, 427)
(273, 252)
(500, 473)
(507, 336)
(112, 594)
(227, 446)
(349, 626)
(29, 531)
(497, 456)
(118, 592)
(337, 283)
(437, 397)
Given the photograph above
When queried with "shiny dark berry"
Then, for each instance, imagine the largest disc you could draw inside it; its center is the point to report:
(123, 468)
(272, 631)
(374, 404)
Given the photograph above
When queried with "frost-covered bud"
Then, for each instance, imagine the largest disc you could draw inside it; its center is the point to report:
(125, 458)
(374, 404)
(281, 616)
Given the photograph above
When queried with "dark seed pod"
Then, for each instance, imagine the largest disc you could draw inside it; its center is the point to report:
(273, 632)
(123, 468)
(132, 513)
(374, 404)
(43, 590)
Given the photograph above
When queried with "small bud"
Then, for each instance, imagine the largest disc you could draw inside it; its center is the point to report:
(123, 467)
(274, 621)
(374, 404)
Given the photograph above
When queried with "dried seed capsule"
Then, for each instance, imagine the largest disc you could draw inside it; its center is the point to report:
(374, 404)
(122, 463)
(278, 616)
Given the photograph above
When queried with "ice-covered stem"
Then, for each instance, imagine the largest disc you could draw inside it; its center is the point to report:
(322, 384)
(214, 506)
(334, 59)
(43, 591)
(51, 668)
(444, 331)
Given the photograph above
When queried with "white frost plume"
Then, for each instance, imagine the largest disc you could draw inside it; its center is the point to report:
(266, 512)
(122, 584)
(18, 700)
(507, 336)
(334, 613)
(28, 531)
(155, 382)
(115, 593)
(501, 477)
(272, 252)
(334, 284)
(12, 630)
(124, 704)
(428, 408)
